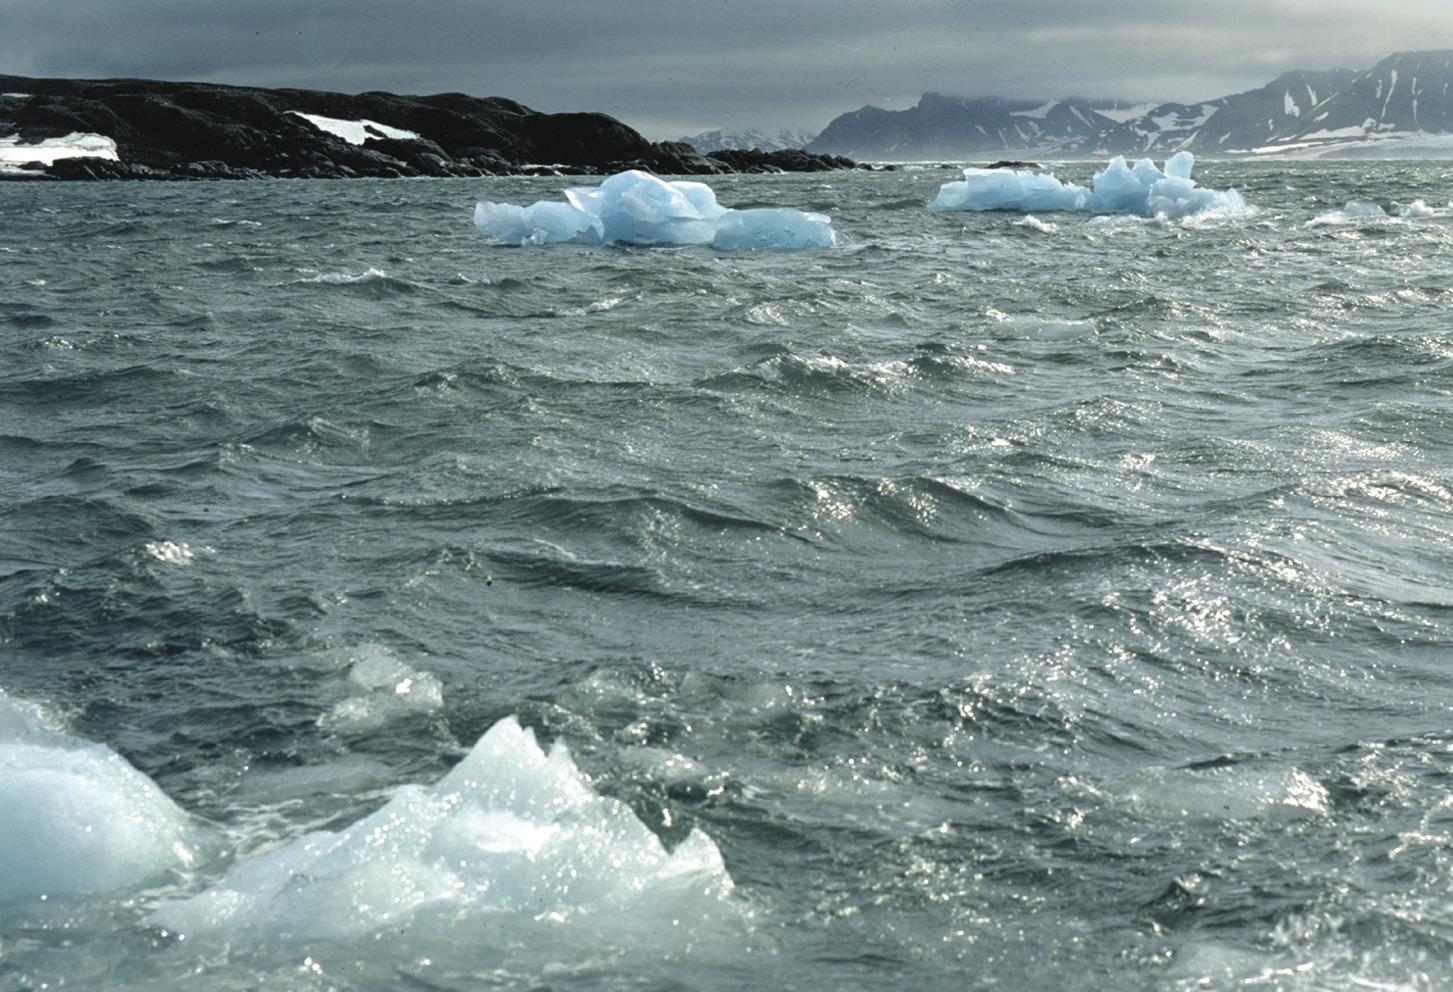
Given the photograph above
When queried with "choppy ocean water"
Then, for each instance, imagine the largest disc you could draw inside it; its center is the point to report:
(986, 602)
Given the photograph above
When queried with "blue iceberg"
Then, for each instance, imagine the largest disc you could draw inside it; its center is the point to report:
(638, 208)
(1119, 188)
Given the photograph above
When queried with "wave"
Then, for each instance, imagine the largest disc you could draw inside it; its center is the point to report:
(373, 282)
(111, 387)
(26, 316)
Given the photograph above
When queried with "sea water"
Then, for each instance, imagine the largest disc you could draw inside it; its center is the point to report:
(988, 601)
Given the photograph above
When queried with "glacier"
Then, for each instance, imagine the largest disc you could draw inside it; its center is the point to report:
(1119, 188)
(637, 208)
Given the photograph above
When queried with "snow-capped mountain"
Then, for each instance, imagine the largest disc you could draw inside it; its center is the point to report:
(1168, 126)
(716, 141)
(1255, 118)
(1407, 95)
(1300, 112)
(940, 127)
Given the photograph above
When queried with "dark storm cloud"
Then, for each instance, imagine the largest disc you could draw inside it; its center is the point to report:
(677, 66)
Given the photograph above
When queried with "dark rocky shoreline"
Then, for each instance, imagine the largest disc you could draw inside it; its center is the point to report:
(173, 131)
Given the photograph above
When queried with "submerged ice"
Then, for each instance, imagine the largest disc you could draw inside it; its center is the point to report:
(1119, 188)
(384, 688)
(638, 208)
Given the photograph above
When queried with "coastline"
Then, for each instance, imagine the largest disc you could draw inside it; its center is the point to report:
(133, 129)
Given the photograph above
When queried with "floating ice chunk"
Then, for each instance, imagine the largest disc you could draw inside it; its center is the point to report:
(640, 209)
(1145, 190)
(1005, 189)
(23, 722)
(773, 227)
(511, 850)
(1231, 793)
(386, 688)
(76, 817)
(1119, 188)
(1035, 224)
(539, 224)
(1179, 165)
(1363, 210)
(1352, 212)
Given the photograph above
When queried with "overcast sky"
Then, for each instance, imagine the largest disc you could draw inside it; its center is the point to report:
(676, 67)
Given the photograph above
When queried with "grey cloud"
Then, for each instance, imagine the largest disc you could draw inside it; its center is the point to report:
(675, 66)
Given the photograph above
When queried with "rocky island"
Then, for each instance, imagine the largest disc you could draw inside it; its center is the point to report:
(148, 129)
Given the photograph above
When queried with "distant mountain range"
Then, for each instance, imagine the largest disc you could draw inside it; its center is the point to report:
(1392, 109)
(716, 141)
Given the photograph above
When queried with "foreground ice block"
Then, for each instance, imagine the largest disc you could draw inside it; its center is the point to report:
(76, 817)
(511, 850)
(1119, 188)
(638, 208)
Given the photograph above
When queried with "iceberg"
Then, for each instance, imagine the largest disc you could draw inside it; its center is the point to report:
(1119, 188)
(77, 817)
(638, 208)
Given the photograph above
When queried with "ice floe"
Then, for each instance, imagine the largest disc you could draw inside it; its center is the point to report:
(1358, 212)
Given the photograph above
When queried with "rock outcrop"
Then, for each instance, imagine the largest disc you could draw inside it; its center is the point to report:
(165, 130)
